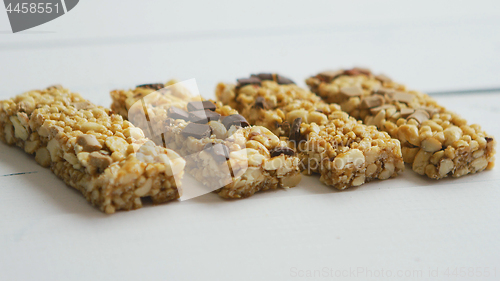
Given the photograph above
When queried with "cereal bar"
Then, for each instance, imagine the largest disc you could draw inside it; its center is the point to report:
(222, 151)
(98, 153)
(437, 142)
(328, 141)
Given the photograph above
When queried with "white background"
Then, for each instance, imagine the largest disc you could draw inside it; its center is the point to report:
(49, 232)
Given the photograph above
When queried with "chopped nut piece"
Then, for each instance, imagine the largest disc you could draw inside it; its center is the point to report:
(383, 78)
(54, 150)
(452, 134)
(405, 112)
(479, 164)
(421, 160)
(248, 81)
(31, 146)
(89, 143)
(384, 91)
(431, 145)
(329, 75)
(403, 97)
(430, 110)
(357, 71)
(43, 157)
(409, 153)
(375, 110)
(351, 91)
(372, 101)
(19, 130)
(117, 144)
(144, 190)
(91, 126)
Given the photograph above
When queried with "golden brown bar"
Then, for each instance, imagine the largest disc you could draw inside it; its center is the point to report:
(437, 142)
(98, 153)
(329, 142)
(212, 138)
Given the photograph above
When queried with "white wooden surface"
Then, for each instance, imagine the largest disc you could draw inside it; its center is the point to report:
(405, 225)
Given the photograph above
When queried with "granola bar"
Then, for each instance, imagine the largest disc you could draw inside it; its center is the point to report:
(98, 153)
(437, 142)
(328, 141)
(221, 149)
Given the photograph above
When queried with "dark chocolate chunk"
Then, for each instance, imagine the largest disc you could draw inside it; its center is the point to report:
(197, 131)
(201, 105)
(264, 76)
(248, 81)
(489, 139)
(100, 161)
(277, 151)
(260, 102)
(88, 142)
(364, 71)
(154, 86)
(403, 97)
(405, 112)
(295, 130)
(177, 113)
(283, 80)
(203, 116)
(236, 120)
(219, 151)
